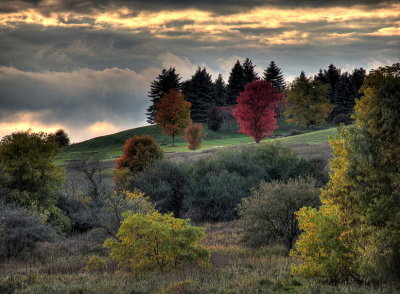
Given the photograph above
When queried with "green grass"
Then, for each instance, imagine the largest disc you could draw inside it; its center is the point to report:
(110, 146)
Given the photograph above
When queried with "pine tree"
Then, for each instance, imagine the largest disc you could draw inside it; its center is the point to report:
(200, 92)
(357, 78)
(166, 81)
(220, 92)
(275, 76)
(249, 74)
(236, 83)
(344, 96)
(332, 78)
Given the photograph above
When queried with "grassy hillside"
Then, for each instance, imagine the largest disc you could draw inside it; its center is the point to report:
(111, 145)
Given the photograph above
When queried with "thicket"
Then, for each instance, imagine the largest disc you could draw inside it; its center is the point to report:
(360, 210)
(210, 189)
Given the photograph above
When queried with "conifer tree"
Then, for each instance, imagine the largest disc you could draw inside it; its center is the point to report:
(274, 74)
(200, 92)
(236, 83)
(344, 96)
(357, 78)
(332, 76)
(249, 74)
(166, 81)
(220, 92)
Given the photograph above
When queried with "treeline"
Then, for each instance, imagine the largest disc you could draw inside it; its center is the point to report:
(204, 94)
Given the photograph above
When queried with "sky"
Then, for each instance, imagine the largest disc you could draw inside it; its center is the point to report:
(86, 65)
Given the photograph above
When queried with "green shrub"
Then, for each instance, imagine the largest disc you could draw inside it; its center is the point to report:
(343, 118)
(268, 216)
(156, 242)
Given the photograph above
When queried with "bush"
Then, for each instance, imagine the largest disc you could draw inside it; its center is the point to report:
(156, 242)
(343, 118)
(268, 216)
(215, 118)
(139, 152)
(194, 135)
(20, 230)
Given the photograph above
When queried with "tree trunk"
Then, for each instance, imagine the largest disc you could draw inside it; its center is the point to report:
(173, 140)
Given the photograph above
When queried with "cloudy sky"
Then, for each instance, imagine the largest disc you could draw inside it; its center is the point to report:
(86, 65)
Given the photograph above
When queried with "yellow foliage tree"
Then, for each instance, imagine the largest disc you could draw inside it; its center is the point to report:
(156, 242)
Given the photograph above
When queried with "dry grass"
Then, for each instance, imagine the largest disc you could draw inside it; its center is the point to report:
(58, 268)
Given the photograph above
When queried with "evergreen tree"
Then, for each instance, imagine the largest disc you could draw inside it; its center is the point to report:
(220, 92)
(321, 77)
(275, 76)
(166, 81)
(236, 83)
(332, 76)
(357, 78)
(200, 93)
(344, 96)
(249, 74)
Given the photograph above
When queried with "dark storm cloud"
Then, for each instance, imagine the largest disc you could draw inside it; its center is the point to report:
(219, 7)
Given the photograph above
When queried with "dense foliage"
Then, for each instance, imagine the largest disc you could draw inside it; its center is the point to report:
(210, 189)
(156, 242)
(268, 216)
(139, 152)
(363, 190)
(255, 111)
(194, 135)
(308, 103)
(61, 138)
(173, 114)
(215, 118)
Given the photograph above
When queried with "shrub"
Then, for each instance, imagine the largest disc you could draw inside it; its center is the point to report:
(95, 263)
(268, 216)
(194, 135)
(139, 152)
(215, 118)
(343, 118)
(156, 242)
(20, 230)
(164, 182)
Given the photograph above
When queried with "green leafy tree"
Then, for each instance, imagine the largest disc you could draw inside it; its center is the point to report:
(30, 177)
(166, 81)
(156, 242)
(274, 74)
(236, 83)
(200, 93)
(249, 73)
(61, 138)
(363, 190)
(139, 152)
(307, 101)
(220, 92)
(268, 216)
(173, 114)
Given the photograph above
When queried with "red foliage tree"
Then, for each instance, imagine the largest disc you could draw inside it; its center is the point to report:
(194, 135)
(255, 111)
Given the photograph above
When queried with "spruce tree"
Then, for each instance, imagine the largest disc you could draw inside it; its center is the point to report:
(344, 96)
(200, 92)
(249, 74)
(274, 74)
(166, 81)
(357, 78)
(236, 83)
(220, 92)
(332, 78)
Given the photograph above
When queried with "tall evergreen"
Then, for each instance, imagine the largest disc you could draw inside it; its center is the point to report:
(166, 81)
(220, 92)
(357, 79)
(321, 77)
(344, 96)
(332, 78)
(200, 93)
(274, 74)
(249, 74)
(236, 83)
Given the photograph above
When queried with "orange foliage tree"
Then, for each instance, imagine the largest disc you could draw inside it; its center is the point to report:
(173, 114)
(139, 152)
(255, 111)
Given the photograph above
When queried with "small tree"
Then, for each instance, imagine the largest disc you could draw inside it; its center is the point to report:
(308, 102)
(194, 135)
(139, 152)
(215, 118)
(173, 114)
(255, 111)
(156, 242)
(268, 216)
(61, 137)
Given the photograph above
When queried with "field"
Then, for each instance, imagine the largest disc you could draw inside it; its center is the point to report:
(110, 146)
(59, 268)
